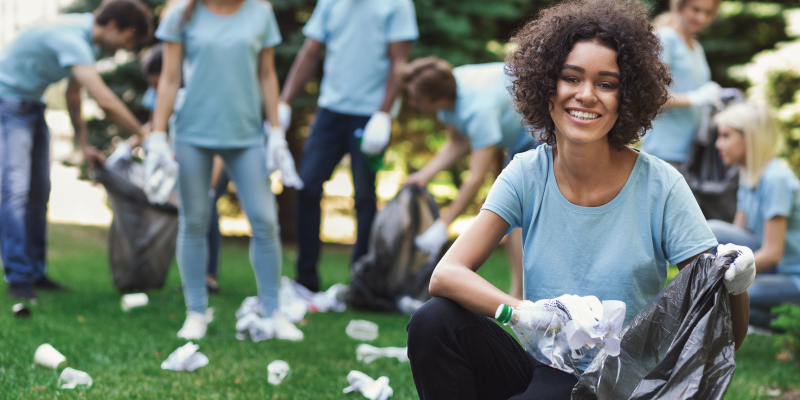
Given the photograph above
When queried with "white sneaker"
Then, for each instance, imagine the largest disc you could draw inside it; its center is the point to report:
(285, 329)
(196, 324)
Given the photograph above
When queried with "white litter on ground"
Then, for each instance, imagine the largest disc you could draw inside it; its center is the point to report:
(368, 354)
(360, 329)
(276, 371)
(46, 355)
(73, 378)
(185, 358)
(373, 389)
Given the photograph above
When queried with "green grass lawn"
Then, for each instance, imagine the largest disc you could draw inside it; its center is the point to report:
(123, 351)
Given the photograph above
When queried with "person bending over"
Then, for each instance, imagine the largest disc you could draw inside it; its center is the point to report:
(597, 217)
(768, 206)
(474, 102)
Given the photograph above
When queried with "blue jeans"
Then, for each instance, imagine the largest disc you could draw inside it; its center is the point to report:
(769, 289)
(248, 170)
(332, 136)
(24, 189)
(214, 234)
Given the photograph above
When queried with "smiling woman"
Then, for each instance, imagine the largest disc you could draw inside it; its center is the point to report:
(598, 218)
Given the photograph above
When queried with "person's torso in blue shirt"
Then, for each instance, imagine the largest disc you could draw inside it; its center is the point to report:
(675, 129)
(223, 106)
(777, 195)
(43, 54)
(356, 34)
(484, 111)
(617, 251)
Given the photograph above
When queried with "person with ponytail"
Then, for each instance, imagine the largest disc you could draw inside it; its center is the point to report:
(222, 52)
(768, 206)
(692, 87)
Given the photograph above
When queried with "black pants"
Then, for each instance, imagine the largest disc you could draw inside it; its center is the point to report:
(456, 354)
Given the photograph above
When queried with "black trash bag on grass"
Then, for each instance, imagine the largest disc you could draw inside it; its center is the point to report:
(680, 346)
(394, 267)
(142, 236)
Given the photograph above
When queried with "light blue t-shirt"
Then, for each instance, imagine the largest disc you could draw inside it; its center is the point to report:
(43, 54)
(484, 111)
(223, 107)
(777, 195)
(617, 251)
(674, 131)
(356, 34)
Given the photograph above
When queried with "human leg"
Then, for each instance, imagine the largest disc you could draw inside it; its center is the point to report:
(729, 233)
(194, 173)
(36, 210)
(18, 124)
(214, 234)
(770, 290)
(323, 149)
(456, 354)
(513, 245)
(364, 184)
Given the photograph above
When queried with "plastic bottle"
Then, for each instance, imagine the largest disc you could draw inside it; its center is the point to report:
(374, 161)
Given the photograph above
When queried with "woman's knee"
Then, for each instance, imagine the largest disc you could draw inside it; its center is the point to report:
(195, 223)
(437, 319)
(264, 225)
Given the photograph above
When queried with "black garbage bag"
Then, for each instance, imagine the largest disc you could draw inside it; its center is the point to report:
(142, 236)
(394, 267)
(714, 185)
(680, 346)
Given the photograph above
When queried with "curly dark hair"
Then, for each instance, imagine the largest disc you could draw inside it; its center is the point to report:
(621, 25)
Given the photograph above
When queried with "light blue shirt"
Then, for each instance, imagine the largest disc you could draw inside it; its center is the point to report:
(356, 34)
(484, 111)
(617, 251)
(43, 54)
(777, 195)
(674, 131)
(223, 107)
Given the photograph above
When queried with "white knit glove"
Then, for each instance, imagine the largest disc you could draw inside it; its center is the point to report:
(279, 157)
(432, 240)
(708, 94)
(742, 271)
(376, 133)
(284, 115)
(121, 153)
(160, 168)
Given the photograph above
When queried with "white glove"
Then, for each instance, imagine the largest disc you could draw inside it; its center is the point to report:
(121, 153)
(160, 168)
(284, 115)
(708, 94)
(373, 389)
(376, 133)
(432, 240)
(279, 157)
(742, 271)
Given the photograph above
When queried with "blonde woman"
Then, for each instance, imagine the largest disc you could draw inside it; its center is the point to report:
(692, 86)
(768, 211)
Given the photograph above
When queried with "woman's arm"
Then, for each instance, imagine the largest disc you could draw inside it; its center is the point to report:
(740, 219)
(455, 277)
(740, 310)
(268, 79)
(453, 149)
(481, 161)
(168, 84)
(771, 251)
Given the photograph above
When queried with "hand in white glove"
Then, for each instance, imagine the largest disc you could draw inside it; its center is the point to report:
(376, 133)
(160, 168)
(432, 240)
(742, 271)
(284, 115)
(121, 153)
(708, 94)
(279, 157)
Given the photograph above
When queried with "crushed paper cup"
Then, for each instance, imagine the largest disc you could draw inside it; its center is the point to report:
(185, 358)
(373, 389)
(368, 354)
(19, 310)
(360, 329)
(133, 300)
(276, 371)
(48, 356)
(73, 377)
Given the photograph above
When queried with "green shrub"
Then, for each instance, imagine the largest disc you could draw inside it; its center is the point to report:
(789, 320)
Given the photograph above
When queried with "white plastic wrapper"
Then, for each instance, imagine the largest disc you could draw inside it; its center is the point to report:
(185, 358)
(360, 329)
(368, 354)
(276, 371)
(133, 300)
(373, 389)
(73, 377)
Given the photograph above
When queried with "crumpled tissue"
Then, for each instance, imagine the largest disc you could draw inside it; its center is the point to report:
(373, 389)
(73, 378)
(276, 371)
(185, 358)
